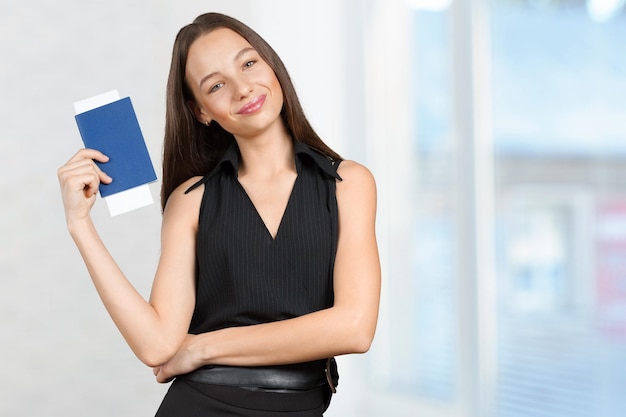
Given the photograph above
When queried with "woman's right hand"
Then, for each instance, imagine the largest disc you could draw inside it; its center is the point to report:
(184, 361)
(80, 178)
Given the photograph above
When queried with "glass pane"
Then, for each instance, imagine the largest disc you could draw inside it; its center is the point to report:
(559, 82)
(430, 371)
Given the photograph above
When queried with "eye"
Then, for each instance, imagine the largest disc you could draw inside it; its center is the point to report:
(216, 87)
(250, 63)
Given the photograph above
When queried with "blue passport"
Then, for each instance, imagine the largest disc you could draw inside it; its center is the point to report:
(114, 130)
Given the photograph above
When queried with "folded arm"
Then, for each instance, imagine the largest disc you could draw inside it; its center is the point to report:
(347, 327)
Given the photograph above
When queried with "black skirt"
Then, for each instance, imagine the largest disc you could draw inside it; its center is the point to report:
(195, 399)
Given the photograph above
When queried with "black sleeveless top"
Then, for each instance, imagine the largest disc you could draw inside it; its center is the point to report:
(244, 276)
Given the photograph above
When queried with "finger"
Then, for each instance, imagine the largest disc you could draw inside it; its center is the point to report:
(103, 176)
(80, 175)
(82, 167)
(87, 183)
(87, 153)
(160, 378)
(82, 164)
(163, 380)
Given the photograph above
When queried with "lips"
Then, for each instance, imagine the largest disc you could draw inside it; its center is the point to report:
(253, 106)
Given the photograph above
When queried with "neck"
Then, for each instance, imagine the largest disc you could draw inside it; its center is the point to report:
(267, 154)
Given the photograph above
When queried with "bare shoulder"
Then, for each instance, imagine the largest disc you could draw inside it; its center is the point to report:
(184, 205)
(356, 195)
(356, 178)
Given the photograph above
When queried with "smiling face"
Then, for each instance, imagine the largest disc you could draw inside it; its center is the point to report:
(232, 84)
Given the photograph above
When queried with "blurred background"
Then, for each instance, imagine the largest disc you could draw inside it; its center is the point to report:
(497, 134)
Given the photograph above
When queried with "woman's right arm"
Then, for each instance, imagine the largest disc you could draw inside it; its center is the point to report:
(154, 330)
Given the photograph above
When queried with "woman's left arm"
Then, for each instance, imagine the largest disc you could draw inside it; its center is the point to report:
(347, 327)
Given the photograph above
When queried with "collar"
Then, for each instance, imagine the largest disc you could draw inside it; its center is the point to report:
(326, 164)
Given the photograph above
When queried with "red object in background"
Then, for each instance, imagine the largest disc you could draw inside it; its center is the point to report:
(611, 267)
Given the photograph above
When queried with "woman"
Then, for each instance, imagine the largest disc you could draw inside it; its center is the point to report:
(269, 263)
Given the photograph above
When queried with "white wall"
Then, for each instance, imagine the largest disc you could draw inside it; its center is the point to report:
(61, 353)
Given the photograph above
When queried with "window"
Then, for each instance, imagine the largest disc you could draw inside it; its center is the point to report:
(559, 79)
(517, 281)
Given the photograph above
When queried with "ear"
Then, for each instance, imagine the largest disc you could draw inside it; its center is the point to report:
(198, 113)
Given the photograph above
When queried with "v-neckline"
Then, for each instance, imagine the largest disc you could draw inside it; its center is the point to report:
(274, 237)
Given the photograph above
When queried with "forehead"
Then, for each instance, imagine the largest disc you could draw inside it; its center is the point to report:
(215, 46)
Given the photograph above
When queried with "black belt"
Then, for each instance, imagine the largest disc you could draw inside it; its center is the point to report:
(301, 376)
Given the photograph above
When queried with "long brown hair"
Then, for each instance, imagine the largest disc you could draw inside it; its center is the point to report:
(191, 148)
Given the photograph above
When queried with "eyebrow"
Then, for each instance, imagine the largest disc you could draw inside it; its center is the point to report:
(239, 55)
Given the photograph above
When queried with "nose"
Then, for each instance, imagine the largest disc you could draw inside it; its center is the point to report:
(243, 89)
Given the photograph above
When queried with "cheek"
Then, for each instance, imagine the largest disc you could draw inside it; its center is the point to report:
(280, 97)
(277, 90)
(217, 107)
(275, 82)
